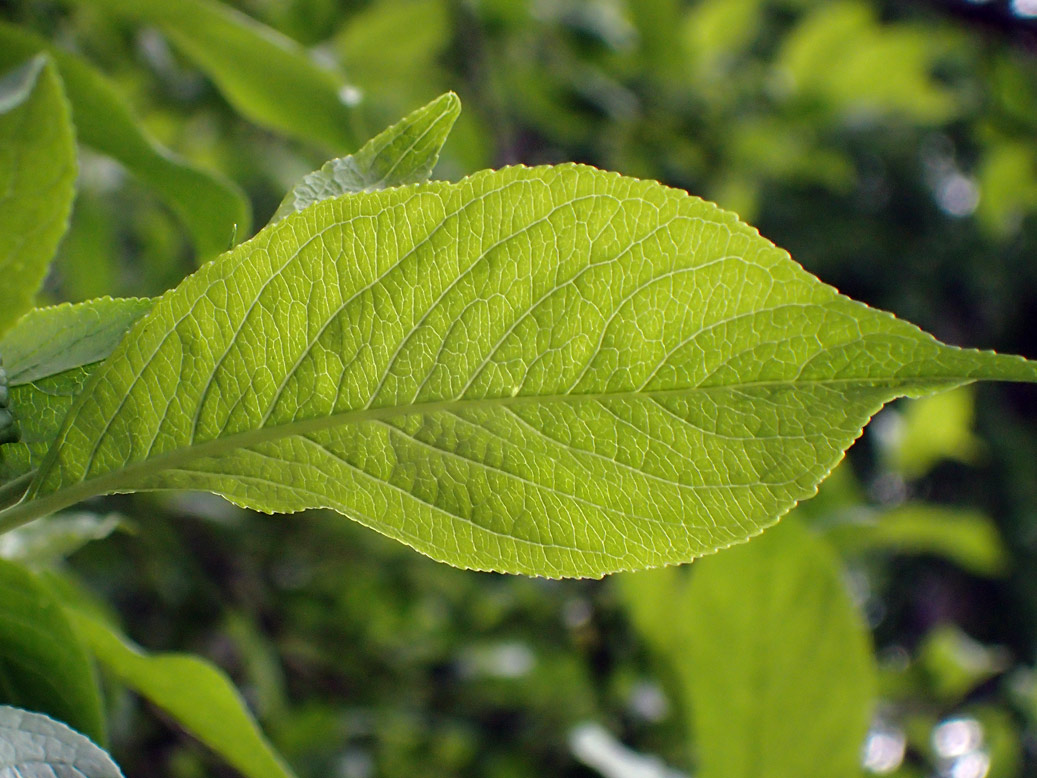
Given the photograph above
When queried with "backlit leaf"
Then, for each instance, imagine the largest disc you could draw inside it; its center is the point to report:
(772, 658)
(48, 356)
(555, 371)
(402, 154)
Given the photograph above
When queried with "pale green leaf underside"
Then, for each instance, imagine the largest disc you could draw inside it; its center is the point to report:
(405, 153)
(555, 371)
(36, 746)
(37, 180)
(193, 692)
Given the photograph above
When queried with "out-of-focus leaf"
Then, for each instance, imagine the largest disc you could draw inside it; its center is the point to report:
(36, 746)
(954, 663)
(1008, 187)
(967, 538)
(931, 429)
(531, 370)
(402, 154)
(193, 692)
(715, 32)
(43, 665)
(840, 54)
(209, 205)
(39, 544)
(391, 50)
(37, 180)
(773, 659)
(266, 76)
(49, 355)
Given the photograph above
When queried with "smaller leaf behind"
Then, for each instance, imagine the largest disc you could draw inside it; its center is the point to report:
(49, 355)
(405, 153)
(266, 76)
(193, 692)
(43, 664)
(36, 746)
(771, 658)
(208, 205)
(37, 180)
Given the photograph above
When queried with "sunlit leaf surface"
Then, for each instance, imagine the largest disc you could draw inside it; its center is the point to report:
(555, 371)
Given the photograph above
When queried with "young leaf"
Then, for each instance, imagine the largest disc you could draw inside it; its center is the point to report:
(772, 657)
(36, 746)
(43, 665)
(403, 154)
(267, 77)
(555, 371)
(197, 695)
(48, 356)
(209, 205)
(37, 180)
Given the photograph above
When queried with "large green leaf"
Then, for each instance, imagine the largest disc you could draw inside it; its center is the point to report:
(402, 154)
(48, 357)
(197, 695)
(43, 665)
(771, 657)
(555, 371)
(37, 180)
(209, 205)
(36, 746)
(266, 76)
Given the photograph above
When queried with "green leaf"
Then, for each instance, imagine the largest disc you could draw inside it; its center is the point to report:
(966, 537)
(402, 154)
(266, 76)
(209, 205)
(10, 432)
(37, 180)
(772, 658)
(193, 692)
(49, 354)
(930, 430)
(39, 544)
(36, 746)
(43, 664)
(555, 371)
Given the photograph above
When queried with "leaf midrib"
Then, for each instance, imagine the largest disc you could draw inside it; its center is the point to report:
(122, 479)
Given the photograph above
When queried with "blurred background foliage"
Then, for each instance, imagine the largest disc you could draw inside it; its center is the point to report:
(890, 146)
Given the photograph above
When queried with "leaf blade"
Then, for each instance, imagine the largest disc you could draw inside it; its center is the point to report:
(772, 659)
(209, 205)
(532, 370)
(43, 665)
(37, 178)
(192, 691)
(404, 153)
(50, 354)
(266, 76)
